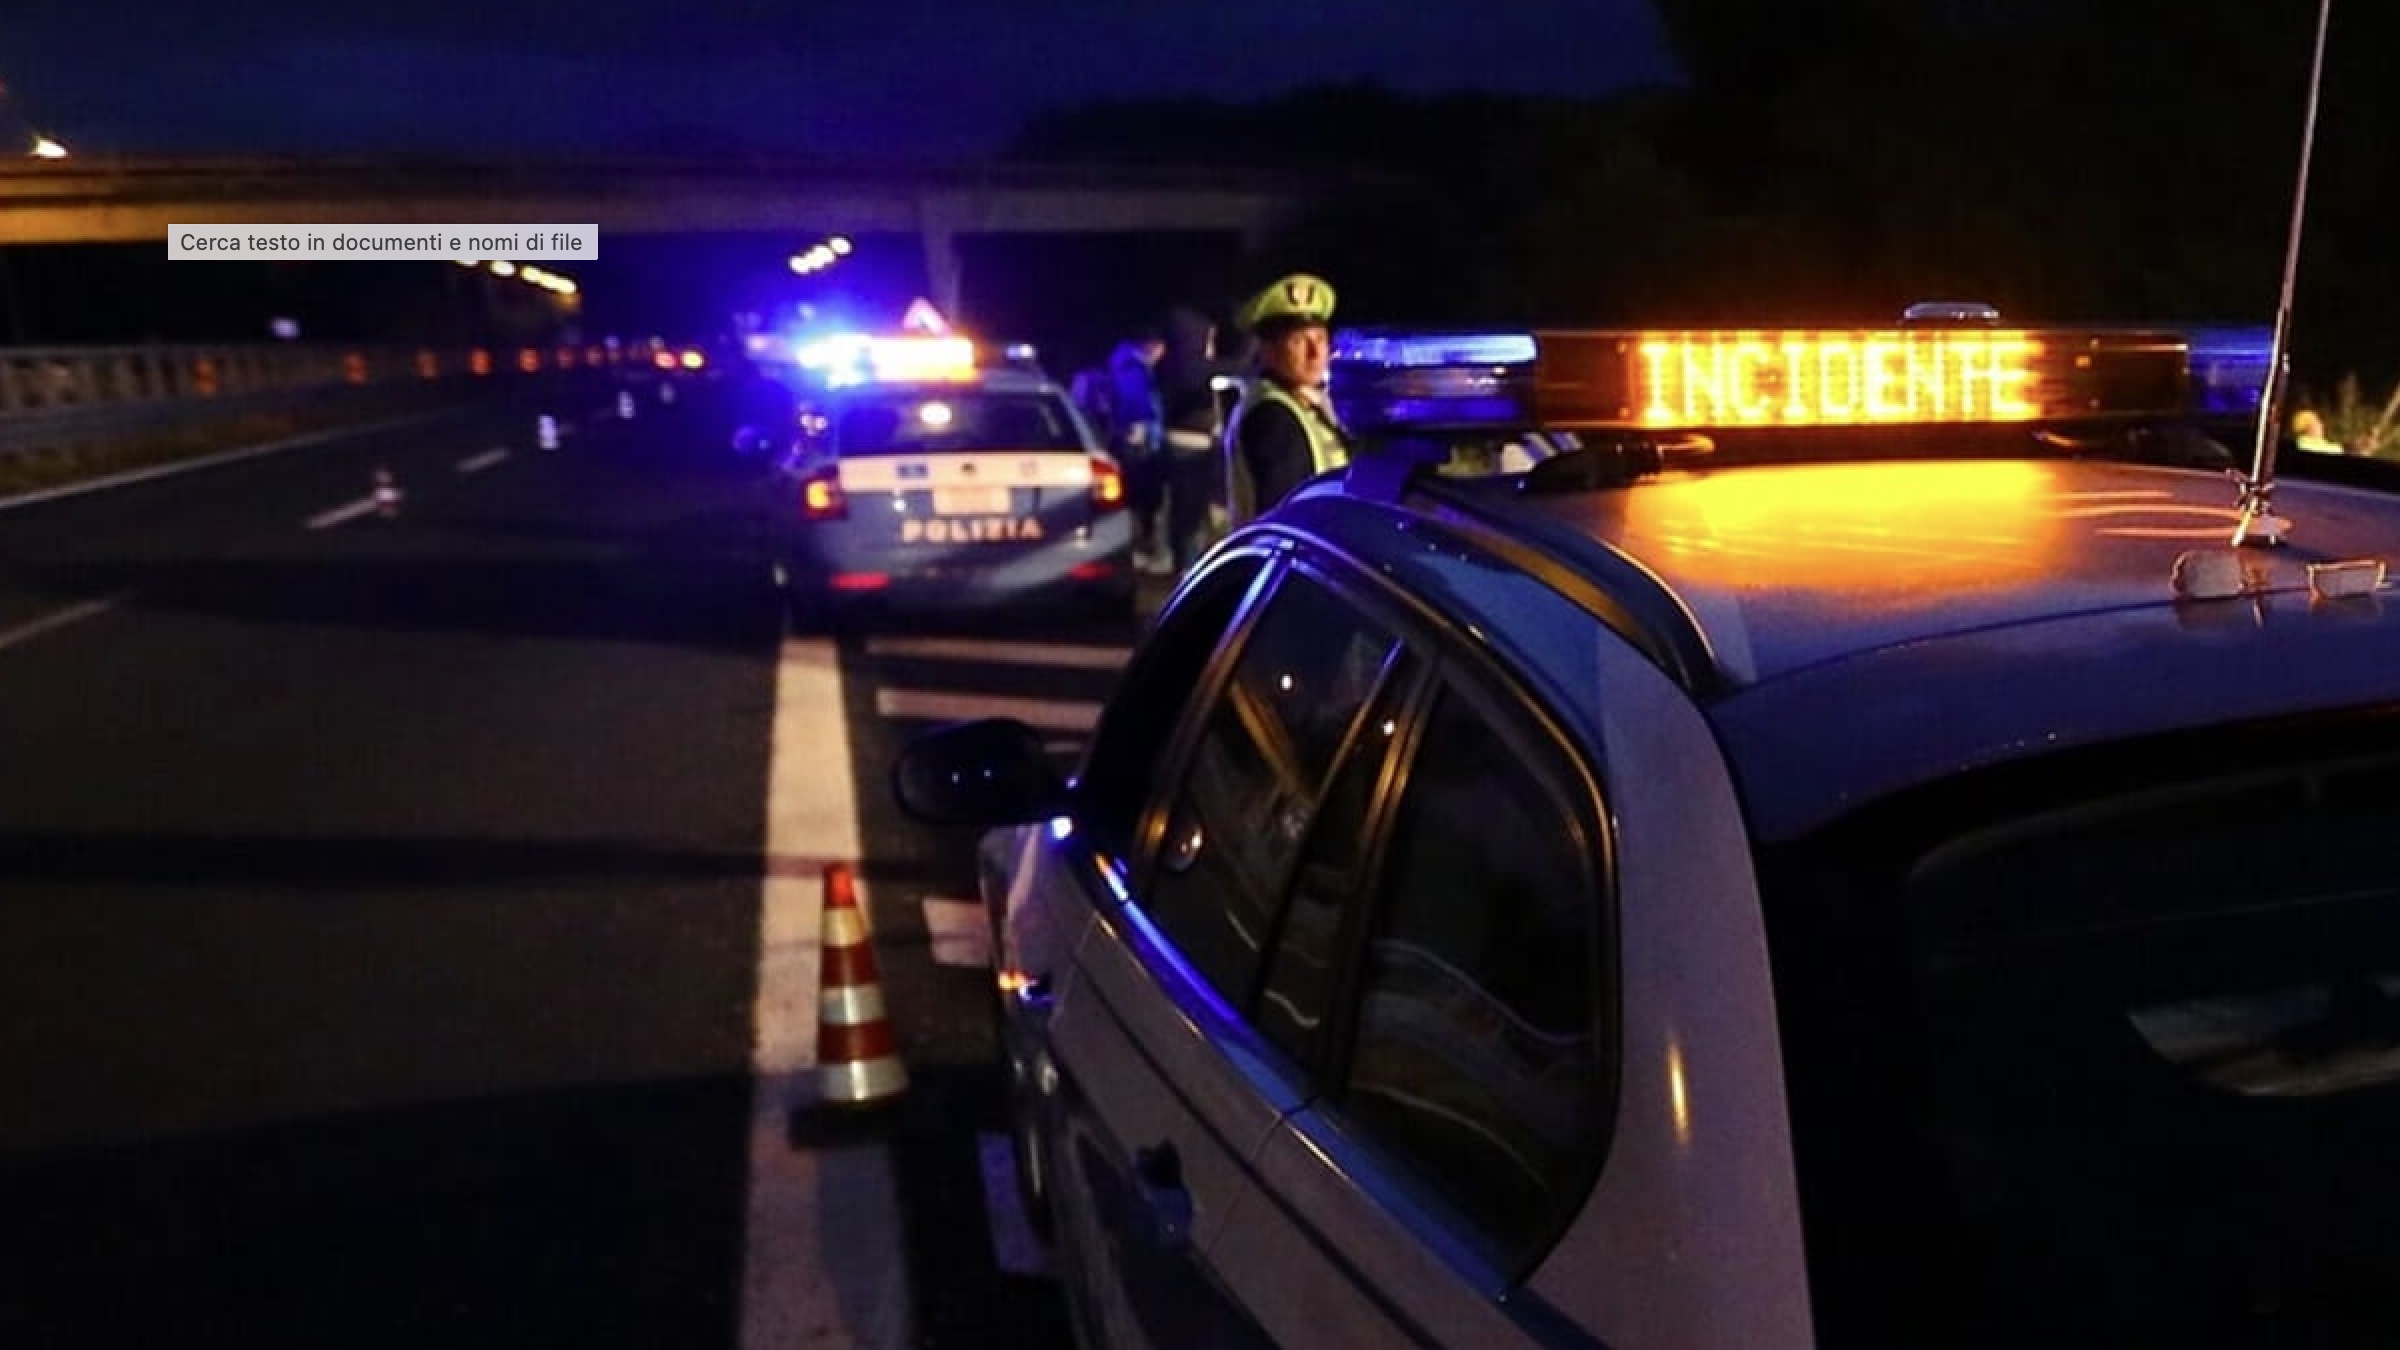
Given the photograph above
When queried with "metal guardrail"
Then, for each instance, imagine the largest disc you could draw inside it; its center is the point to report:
(58, 398)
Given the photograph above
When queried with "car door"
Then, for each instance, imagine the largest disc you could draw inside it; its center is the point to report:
(1460, 1052)
(1164, 1089)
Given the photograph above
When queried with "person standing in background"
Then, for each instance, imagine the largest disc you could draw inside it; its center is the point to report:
(1193, 421)
(1138, 433)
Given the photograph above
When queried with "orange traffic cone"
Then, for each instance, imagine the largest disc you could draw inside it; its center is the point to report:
(858, 1056)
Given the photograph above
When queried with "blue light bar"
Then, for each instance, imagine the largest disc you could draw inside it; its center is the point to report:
(1436, 349)
(2229, 370)
(1395, 380)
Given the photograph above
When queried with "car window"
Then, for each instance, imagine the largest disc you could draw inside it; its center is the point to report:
(1250, 787)
(2134, 1013)
(1121, 771)
(1476, 1059)
(1305, 955)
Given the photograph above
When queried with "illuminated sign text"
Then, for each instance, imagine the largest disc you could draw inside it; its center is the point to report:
(1834, 378)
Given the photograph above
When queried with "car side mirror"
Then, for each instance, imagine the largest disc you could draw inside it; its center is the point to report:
(988, 772)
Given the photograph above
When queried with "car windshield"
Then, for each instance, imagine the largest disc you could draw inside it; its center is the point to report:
(2104, 1054)
(918, 422)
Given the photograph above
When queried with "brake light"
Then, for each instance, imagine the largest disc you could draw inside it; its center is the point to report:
(821, 497)
(1108, 484)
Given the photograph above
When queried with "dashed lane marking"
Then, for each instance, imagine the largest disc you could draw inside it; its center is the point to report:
(960, 933)
(1042, 714)
(52, 622)
(347, 511)
(1072, 656)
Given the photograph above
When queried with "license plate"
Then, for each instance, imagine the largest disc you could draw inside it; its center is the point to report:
(970, 501)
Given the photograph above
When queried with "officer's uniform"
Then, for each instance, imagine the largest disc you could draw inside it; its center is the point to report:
(2308, 433)
(1279, 436)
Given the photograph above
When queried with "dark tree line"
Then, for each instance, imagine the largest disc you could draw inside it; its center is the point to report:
(1836, 159)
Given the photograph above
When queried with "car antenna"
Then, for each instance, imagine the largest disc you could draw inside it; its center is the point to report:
(2258, 525)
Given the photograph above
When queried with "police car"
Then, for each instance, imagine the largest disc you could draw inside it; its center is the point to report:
(926, 475)
(1847, 853)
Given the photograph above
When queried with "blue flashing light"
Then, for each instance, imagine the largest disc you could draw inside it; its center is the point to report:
(843, 359)
(1436, 349)
(2230, 368)
(1389, 380)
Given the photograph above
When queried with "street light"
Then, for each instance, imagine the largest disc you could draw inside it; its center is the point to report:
(820, 256)
(45, 148)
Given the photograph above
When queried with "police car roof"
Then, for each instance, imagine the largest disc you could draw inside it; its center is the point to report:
(1853, 628)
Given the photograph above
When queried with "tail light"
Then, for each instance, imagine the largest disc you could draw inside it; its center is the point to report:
(821, 496)
(1108, 484)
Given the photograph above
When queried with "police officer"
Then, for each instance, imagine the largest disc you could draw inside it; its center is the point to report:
(2308, 433)
(1284, 431)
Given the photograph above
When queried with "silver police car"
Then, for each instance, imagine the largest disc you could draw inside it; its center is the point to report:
(954, 489)
(1846, 854)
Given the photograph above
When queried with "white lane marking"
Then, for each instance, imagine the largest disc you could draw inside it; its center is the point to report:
(1063, 654)
(478, 463)
(961, 934)
(325, 520)
(1042, 714)
(1014, 1247)
(823, 1263)
(89, 609)
(133, 476)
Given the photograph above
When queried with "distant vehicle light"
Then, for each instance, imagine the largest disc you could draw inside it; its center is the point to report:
(821, 497)
(1108, 484)
(694, 358)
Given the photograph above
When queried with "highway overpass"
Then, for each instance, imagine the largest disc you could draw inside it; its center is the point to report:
(134, 200)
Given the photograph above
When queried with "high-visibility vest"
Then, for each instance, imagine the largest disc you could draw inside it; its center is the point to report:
(1326, 447)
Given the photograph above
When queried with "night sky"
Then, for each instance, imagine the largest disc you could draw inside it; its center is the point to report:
(843, 76)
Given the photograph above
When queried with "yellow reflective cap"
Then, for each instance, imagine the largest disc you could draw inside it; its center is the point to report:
(1298, 296)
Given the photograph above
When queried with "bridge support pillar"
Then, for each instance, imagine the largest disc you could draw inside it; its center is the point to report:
(939, 221)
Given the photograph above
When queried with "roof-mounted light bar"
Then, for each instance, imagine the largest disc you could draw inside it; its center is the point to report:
(1950, 369)
(1391, 380)
(855, 358)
